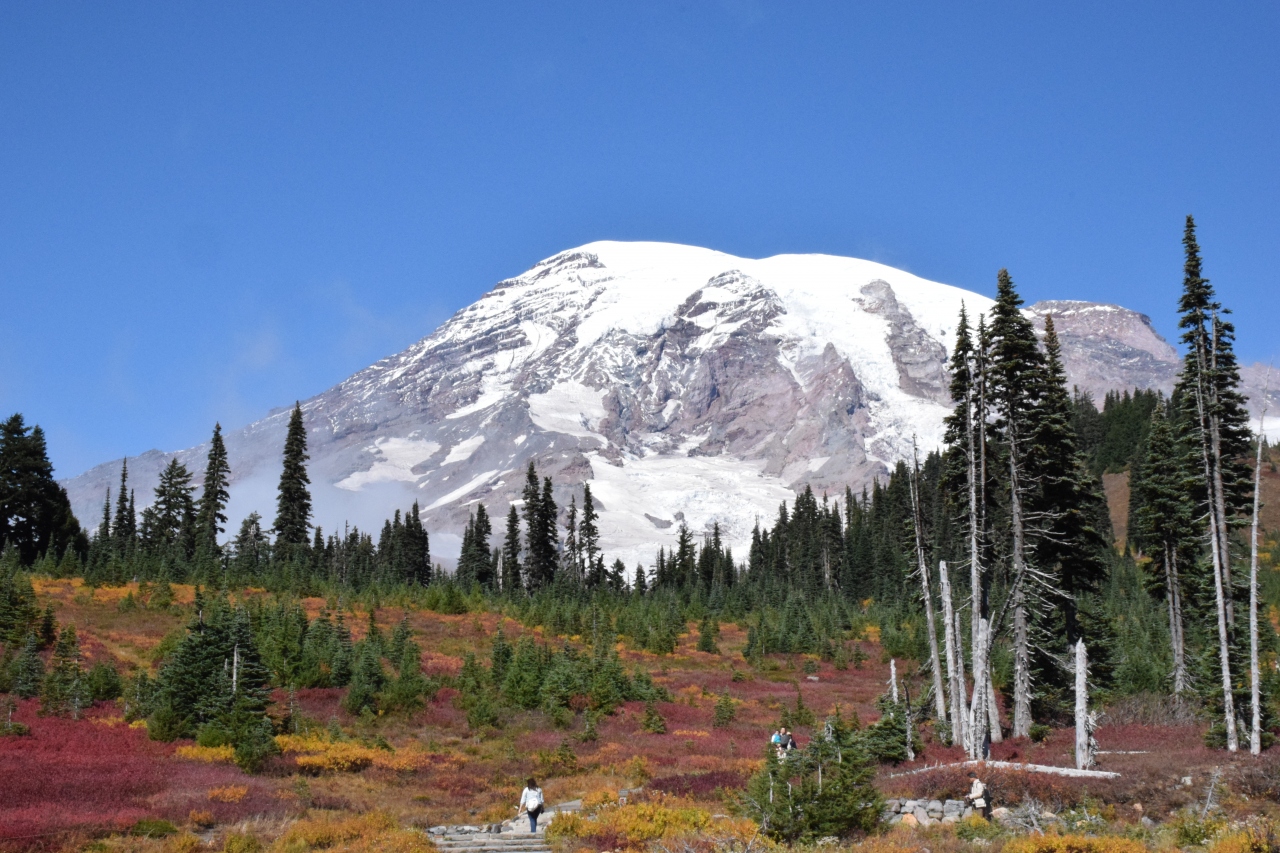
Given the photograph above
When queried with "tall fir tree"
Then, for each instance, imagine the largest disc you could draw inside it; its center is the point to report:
(1016, 379)
(124, 529)
(293, 504)
(1068, 500)
(169, 524)
(35, 513)
(211, 518)
(589, 535)
(512, 582)
(1213, 411)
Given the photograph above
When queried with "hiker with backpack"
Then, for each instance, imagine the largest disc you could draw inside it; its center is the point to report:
(531, 802)
(978, 797)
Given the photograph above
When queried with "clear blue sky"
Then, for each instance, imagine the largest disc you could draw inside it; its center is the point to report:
(209, 210)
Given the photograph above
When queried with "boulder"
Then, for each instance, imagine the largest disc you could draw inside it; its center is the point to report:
(908, 819)
(1000, 814)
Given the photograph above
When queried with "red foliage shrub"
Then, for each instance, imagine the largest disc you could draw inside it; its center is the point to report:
(69, 775)
(700, 786)
(82, 776)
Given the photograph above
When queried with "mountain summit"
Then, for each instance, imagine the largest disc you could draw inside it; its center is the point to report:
(685, 384)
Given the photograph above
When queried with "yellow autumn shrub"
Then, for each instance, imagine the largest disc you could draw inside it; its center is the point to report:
(319, 755)
(229, 793)
(375, 832)
(596, 799)
(1251, 840)
(207, 754)
(183, 842)
(1073, 844)
(637, 824)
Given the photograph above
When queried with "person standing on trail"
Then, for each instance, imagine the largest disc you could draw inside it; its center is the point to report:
(531, 802)
(978, 797)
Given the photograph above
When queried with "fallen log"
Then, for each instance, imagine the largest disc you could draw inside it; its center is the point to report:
(1014, 765)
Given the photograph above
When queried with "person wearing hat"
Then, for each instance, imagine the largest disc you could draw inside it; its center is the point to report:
(978, 798)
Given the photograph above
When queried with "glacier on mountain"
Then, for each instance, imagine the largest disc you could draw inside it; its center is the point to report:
(685, 384)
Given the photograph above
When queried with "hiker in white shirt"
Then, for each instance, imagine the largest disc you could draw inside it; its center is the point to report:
(978, 797)
(531, 802)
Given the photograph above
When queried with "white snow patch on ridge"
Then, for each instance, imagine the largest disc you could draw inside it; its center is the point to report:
(395, 459)
(570, 408)
(463, 450)
(464, 490)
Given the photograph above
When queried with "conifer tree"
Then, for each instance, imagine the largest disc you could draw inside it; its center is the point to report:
(417, 548)
(474, 561)
(293, 505)
(169, 523)
(500, 657)
(724, 713)
(511, 579)
(35, 513)
(27, 670)
(1163, 524)
(708, 631)
(65, 691)
(211, 517)
(1068, 499)
(966, 430)
(589, 533)
(1016, 379)
(572, 558)
(1208, 386)
(124, 530)
(367, 680)
(540, 531)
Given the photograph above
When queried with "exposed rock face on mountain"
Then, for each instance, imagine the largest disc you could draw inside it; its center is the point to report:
(1106, 347)
(684, 384)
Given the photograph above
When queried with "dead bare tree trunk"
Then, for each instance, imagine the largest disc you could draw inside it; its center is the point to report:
(1217, 492)
(1175, 620)
(955, 672)
(922, 568)
(1255, 674)
(1084, 751)
(1021, 620)
(1221, 590)
(979, 712)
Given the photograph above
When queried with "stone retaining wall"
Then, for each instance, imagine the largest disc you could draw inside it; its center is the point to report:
(925, 812)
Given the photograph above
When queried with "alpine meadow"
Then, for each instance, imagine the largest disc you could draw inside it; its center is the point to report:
(918, 556)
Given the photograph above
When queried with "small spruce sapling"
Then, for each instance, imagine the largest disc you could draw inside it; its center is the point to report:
(725, 711)
(653, 722)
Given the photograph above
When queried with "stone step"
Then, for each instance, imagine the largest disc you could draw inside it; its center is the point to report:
(499, 841)
(496, 840)
(533, 844)
(496, 843)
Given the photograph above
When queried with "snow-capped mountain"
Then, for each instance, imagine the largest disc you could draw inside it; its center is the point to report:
(684, 384)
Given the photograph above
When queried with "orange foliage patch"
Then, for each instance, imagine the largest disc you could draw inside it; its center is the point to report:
(229, 793)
